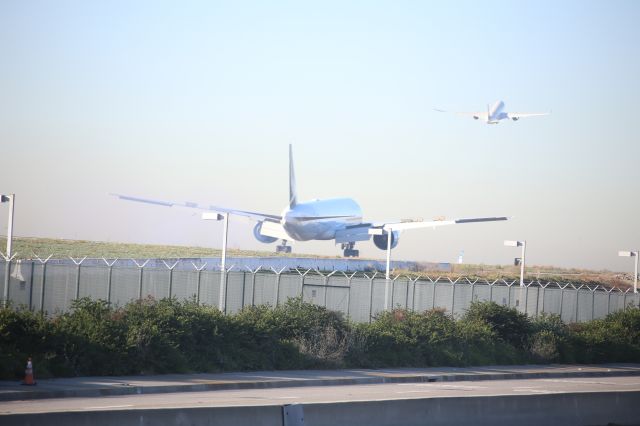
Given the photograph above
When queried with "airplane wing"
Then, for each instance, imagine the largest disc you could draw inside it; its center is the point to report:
(477, 115)
(251, 215)
(518, 115)
(416, 224)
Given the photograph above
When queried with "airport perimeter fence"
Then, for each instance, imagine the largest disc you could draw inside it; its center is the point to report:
(50, 287)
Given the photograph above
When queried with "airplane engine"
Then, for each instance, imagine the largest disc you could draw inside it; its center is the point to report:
(262, 238)
(475, 117)
(381, 240)
(515, 118)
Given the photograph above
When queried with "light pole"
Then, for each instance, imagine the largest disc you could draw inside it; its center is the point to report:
(635, 272)
(10, 198)
(223, 260)
(522, 244)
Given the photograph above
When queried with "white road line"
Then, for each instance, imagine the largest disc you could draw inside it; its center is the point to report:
(107, 406)
(532, 390)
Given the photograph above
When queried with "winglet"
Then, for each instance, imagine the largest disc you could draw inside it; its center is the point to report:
(293, 197)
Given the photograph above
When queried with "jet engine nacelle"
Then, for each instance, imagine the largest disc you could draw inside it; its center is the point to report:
(515, 118)
(262, 238)
(381, 240)
(475, 117)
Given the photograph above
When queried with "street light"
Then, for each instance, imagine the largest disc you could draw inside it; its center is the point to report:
(223, 270)
(10, 198)
(522, 244)
(635, 274)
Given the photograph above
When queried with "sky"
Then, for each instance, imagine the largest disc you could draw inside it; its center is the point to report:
(198, 101)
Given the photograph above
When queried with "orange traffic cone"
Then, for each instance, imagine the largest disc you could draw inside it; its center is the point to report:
(28, 374)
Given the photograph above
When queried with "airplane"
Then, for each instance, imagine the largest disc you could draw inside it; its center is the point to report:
(495, 113)
(338, 219)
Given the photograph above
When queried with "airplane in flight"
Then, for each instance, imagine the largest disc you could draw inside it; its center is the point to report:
(338, 219)
(495, 112)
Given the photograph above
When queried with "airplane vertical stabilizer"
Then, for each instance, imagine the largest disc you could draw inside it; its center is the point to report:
(293, 196)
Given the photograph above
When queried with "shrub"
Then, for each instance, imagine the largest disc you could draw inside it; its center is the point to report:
(23, 334)
(507, 323)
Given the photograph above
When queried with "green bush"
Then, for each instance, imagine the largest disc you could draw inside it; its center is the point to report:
(171, 336)
(507, 323)
(615, 338)
(23, 334)
(403, 338)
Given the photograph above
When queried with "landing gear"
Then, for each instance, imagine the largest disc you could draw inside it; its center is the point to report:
(284, 248)
(349, 250)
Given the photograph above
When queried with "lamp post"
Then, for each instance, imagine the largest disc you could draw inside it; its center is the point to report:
(635, 272)
(223, 270)
(10, 198)
(522, 244)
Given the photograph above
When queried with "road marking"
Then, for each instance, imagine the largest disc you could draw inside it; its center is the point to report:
(108, 406)
(580, 382)
(457, 387)
(531, 390)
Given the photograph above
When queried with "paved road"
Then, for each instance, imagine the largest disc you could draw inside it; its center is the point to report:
(317, 394)
(129, 385)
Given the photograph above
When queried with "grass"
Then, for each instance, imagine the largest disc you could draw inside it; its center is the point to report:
(28, 248)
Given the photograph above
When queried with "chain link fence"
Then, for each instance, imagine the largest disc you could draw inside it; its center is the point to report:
(50, 286)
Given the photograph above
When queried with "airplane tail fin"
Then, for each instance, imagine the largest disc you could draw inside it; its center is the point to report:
(293, 196)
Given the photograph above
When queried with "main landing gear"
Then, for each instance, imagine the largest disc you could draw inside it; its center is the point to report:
(349, 250)
(284, 248)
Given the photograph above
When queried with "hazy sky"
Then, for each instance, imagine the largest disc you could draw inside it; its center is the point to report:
(198, 101)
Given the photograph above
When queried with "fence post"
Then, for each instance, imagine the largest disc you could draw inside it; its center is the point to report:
(473, 285)
(406, 297)
(348, 277)
(7, 275)
(413, 293)
(31, 285)
(253, 284)
(562, 299)
(433, 293)
(453, 295)
(110, 265)
(277, 289)
(509, 294)
(371, 294)
(593, 301)
(140, 269)
(302, 282)
(491, 290)
(577, 298)
(170, 268)
(392, 288)
(624, 301)
(78, 264)
(224, 282)
(42, 279)
(198, 279)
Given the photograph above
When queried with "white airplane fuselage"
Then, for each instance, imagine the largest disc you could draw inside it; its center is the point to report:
(320, 219)
(495, 113)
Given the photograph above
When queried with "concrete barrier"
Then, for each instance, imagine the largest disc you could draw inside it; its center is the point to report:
(567, 409)
(269, 415)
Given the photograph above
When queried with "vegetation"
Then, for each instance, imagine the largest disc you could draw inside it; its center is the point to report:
(171, 336)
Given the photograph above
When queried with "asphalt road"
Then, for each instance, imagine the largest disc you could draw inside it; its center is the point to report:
(316, 394)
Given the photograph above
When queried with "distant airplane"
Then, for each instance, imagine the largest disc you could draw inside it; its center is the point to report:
(495, 113)
(338, 219)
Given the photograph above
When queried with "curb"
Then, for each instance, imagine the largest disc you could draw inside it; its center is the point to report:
(124, 389)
